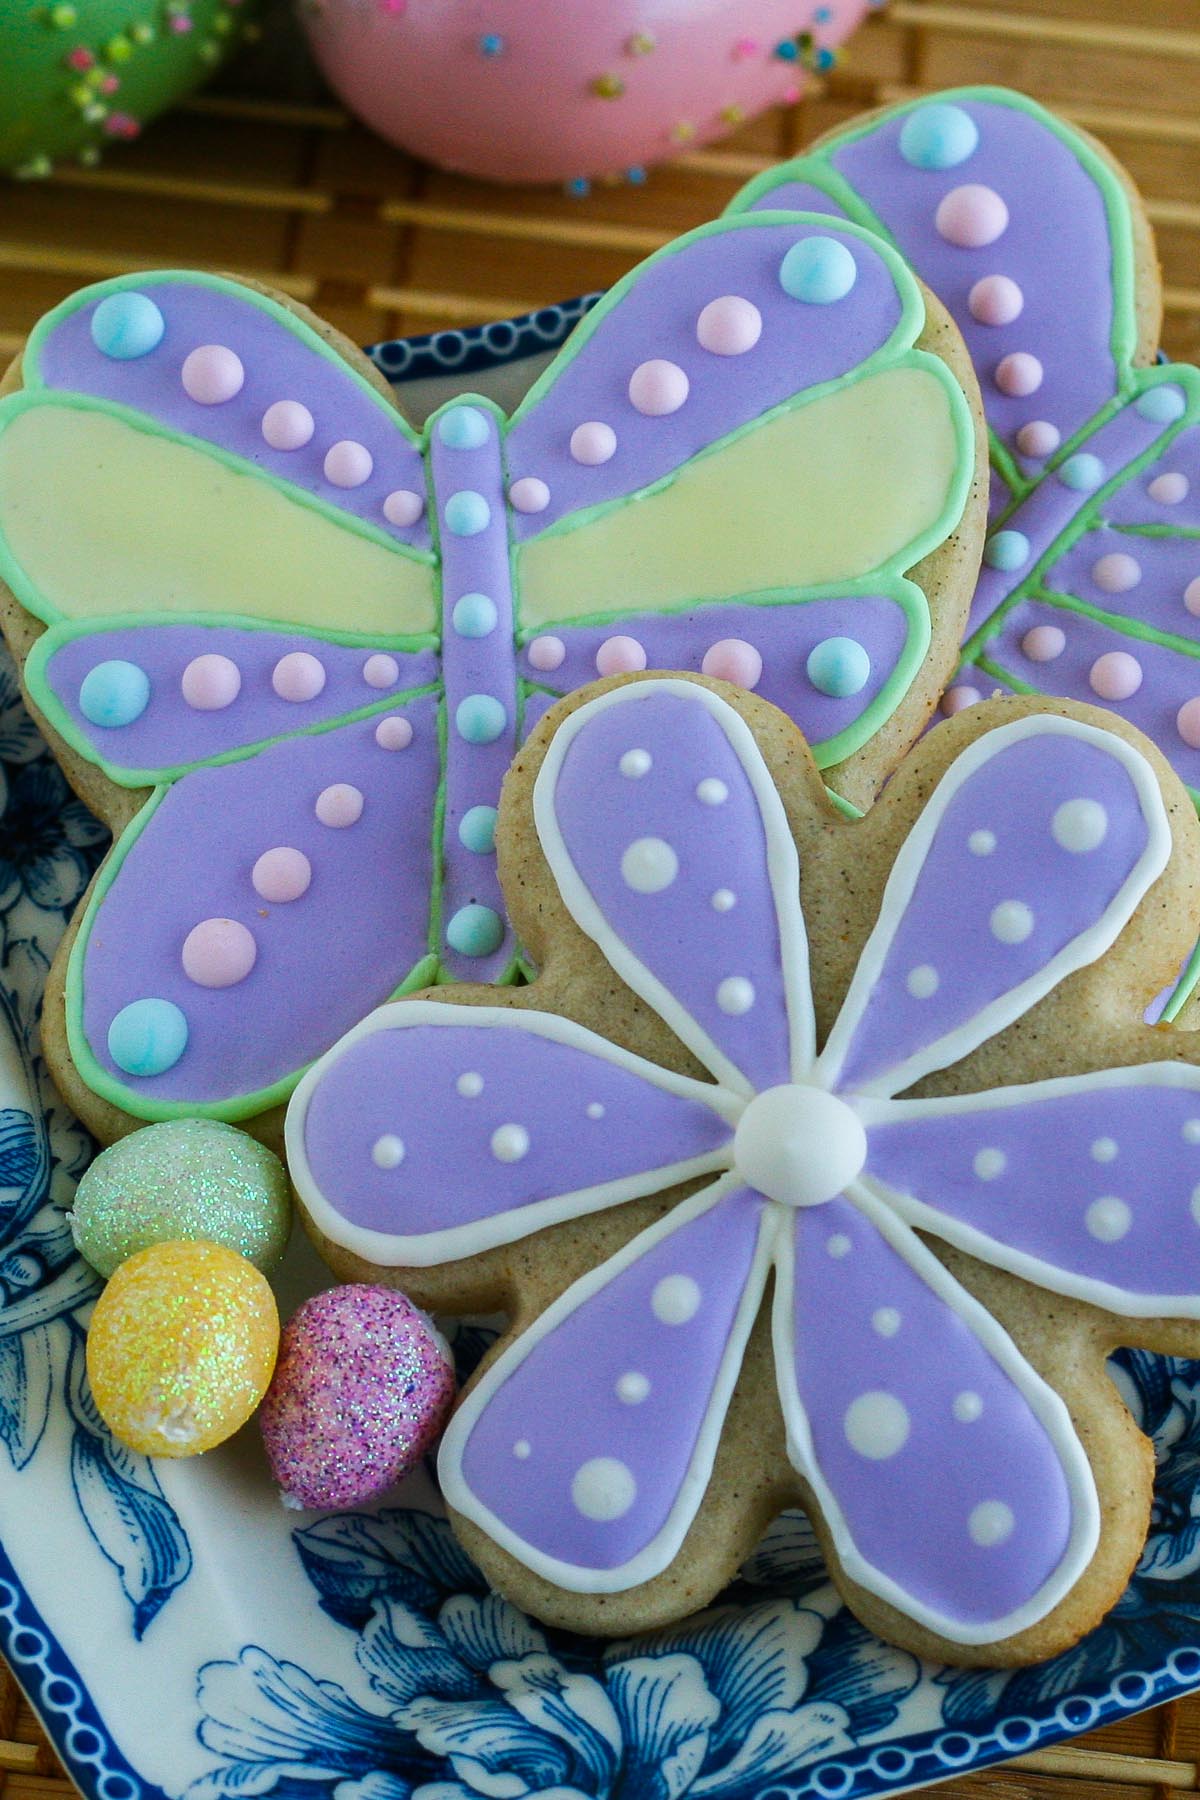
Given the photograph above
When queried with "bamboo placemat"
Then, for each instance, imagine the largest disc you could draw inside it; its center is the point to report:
(267, 177)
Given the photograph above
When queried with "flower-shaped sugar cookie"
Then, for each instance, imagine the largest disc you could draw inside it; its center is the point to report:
(753, 1264)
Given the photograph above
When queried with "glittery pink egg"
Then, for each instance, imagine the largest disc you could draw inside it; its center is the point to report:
(218, 953)
(620, 655)
(361, 1391)
(971, 216)
(212, 374)
(211, 682)
(544, 90)
(733, 659)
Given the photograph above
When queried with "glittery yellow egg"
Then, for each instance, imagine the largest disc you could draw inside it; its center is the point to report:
(181, 1347)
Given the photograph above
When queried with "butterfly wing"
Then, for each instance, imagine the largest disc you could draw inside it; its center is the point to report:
(725, 458)
(191, 576)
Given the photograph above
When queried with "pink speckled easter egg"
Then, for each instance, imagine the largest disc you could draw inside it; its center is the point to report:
(361, 1391)
(535, 90)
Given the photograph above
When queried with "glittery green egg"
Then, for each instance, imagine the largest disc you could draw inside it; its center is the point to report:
(79, 75)
(190, 1178)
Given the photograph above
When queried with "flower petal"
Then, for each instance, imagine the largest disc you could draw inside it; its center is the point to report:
(1029, 858)
(948, 1471)
(432, 1131)
(1089, 1185)
(586, 1449)
(671, 848)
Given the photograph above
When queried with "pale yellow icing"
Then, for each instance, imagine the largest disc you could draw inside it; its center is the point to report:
(821, 493)
(103, 518)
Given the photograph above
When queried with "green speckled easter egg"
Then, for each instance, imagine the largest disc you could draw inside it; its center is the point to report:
(79, 75)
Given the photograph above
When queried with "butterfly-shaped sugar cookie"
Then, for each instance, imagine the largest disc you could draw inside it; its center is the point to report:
(318, 636)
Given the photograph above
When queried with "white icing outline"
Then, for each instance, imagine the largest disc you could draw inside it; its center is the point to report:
(783, 873)
(1046, 1405)
(423, 1250)
(662, 1549)
(1085, 948)
(926, 1216)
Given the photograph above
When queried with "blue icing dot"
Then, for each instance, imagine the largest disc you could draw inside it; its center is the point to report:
(127, 325)
(839, 667)
(477, 829)
(1006, 550)
(818, 270)
(475, 931)
(480, 719)
(474, 615)
(1082, 472)
(938, 137)
(1161, 404)
(467, 513)
(114, 693)
(148, 1037)
(463, 428)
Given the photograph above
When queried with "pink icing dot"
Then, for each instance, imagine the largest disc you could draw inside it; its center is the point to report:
(1044, 642)
(211, 682)
(212, 374)
(298, 676)
(218, 953)
(80, 58)
(957, 699)
(1191, 597)
(393, 733)
(339, 805)
(1115, 675)
(1168, 490)
(996, 300)
(620, 656)
(971, 216)
(658, 387)
(347, 464)
(547, 653)
(381, 671)
(1187, 720)
(403, 508)
(1116, 573)
(729, 326)
(281, 874)
(746, 46)
(733, 659)
(529, 495)
(1038, 438)
(593, 443)
(287, 425)
(1019, 374)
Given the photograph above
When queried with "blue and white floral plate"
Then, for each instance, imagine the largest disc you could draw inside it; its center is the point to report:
(179, 1632)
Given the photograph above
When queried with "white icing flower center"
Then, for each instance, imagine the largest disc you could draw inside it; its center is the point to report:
(799, 1145)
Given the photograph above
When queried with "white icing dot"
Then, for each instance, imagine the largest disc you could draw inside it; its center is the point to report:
(1108, 1218)
(981, 843)
(387, 1152)
(595, 1110)
(1079, 826)
(989, 1164)
(724, 900)
(735, 995)
(510, 1143)
(636, 763)
(1104, 1149)
(838, 1245)
(968, 1407)
(886, 1321)
(1191, 1131)
(876, 1425)
(923, 981)
(603, 1489)
(1196, 1204)
(649, 865)
(991, 1523)
(675, 1300)
(632, 1388)
(1011, 922)
(470, 1085)
(712, 792)
(522, 1449)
